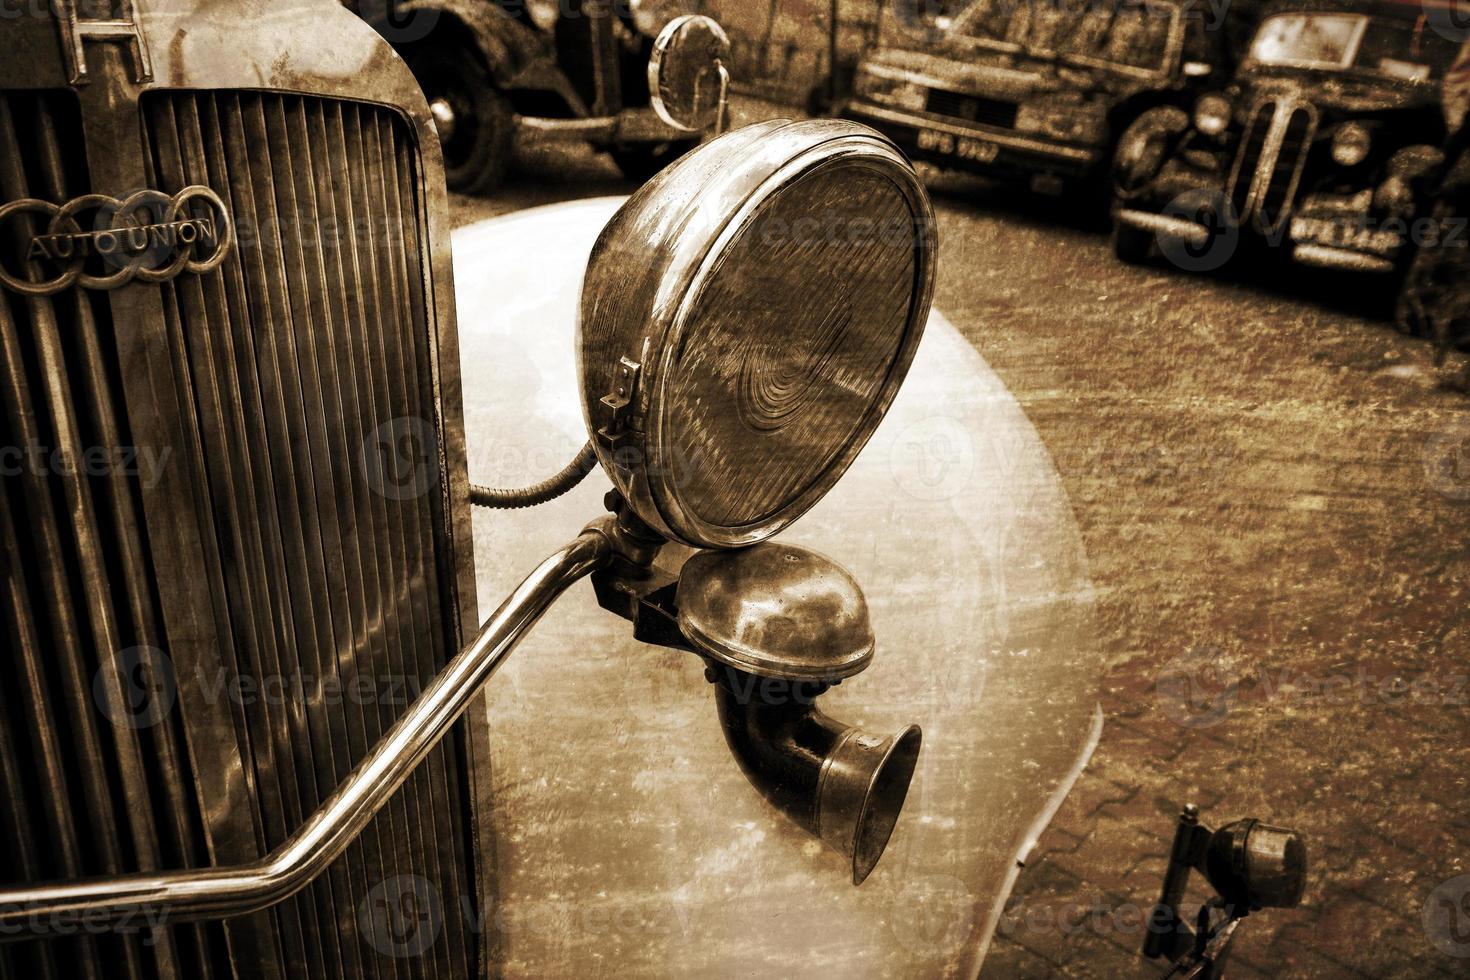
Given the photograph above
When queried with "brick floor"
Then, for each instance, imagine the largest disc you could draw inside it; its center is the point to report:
(1252, 490)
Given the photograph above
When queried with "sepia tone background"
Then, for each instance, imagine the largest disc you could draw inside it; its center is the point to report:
(1273, 489)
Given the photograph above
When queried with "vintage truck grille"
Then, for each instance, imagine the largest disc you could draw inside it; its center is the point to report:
(987, 112)
(321, 570)
(1268, 166)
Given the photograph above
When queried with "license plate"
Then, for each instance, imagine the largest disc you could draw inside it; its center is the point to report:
(964, 147)
(1343, 234)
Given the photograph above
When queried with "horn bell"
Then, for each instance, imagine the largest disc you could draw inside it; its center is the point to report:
(778, 626)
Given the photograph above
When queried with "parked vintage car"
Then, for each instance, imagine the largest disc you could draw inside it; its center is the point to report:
(1038, 92)
(554, 69)
(1321, 149)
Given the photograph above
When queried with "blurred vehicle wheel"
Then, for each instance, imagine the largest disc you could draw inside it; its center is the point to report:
(476, 125)
(640, 161)
(1130, 244)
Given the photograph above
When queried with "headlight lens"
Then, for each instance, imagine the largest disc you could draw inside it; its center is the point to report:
(746, 320)
(1212, 114)
(1350, 144)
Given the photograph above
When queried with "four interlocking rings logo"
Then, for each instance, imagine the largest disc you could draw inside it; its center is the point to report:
(149, 236)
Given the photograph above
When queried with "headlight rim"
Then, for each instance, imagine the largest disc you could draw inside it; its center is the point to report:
(843, 152)
(659, 317)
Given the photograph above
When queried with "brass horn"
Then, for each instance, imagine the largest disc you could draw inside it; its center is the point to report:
(778, 626)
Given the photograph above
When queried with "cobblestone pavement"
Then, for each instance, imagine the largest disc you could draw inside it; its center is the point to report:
(1274, 492)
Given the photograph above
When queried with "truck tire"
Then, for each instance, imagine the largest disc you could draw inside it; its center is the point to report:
(640, 161)
(478, 137)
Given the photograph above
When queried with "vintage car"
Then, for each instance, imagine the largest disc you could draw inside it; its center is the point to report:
(247, 727)
(1322, 148)
(553, 69)
(1038, 92)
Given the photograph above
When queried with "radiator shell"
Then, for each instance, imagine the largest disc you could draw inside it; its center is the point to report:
(269, 561)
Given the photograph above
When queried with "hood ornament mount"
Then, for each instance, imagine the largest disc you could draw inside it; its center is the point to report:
(77, 30)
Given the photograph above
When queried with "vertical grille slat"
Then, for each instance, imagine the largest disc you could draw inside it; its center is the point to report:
(79, 629)
(1253, 141)
(1268, 166)
(404, 542)
(405, 822)
(316, 489)
(262, 275)
(251, 626)
(348, 527)
(415, 365)
(213, 117)
(268, 381)
(325, 308)
(1280, 185)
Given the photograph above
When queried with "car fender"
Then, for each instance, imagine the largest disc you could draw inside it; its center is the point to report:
(1144, 147)
(509, 48)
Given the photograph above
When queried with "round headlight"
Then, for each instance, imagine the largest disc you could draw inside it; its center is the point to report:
(1212, 114)
(746, 320)
(685, 70)
(1350, 144)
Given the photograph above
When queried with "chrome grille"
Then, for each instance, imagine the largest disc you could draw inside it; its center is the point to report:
(306, 352)
(1279, 187)
(1248, 158)
(1269, 163)
(79, 795)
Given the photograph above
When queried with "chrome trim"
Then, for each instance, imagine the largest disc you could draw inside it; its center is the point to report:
(1015, 142)
(207, 893)
(569, 129)
(1327, 257)
(879, 70)
(1190, 232)
(1282, 111)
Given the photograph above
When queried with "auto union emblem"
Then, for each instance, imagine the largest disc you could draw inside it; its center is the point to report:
(99, 242)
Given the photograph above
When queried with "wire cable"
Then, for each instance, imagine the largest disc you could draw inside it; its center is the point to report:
(571, 475)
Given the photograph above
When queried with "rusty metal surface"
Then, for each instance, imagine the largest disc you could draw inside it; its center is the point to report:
(627, 842)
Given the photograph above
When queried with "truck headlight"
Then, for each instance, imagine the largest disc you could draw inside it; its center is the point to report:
(1350, 144)
(746, 320)
(1212, 114)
